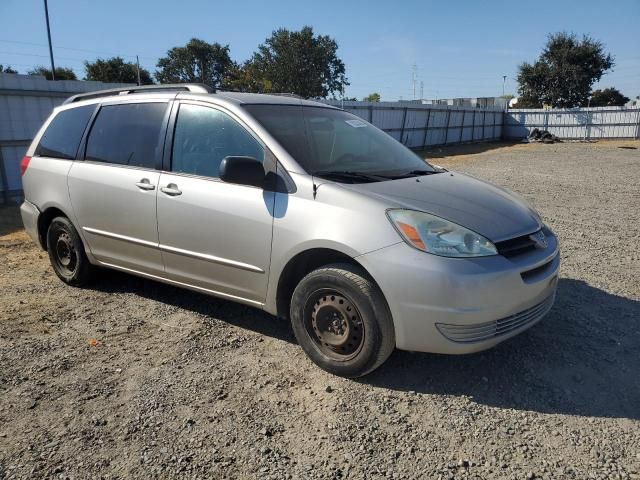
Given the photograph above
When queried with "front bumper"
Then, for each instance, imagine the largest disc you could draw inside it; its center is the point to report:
(30, 213)
(455, 305)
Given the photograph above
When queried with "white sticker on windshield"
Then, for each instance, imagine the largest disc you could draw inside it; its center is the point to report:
(356, 123)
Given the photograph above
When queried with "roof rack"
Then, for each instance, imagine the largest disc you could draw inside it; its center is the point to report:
(279, 94)
(285, 94)
(169, 87)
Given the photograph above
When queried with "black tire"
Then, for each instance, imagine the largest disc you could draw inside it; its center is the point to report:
(66, 253)
(341, 320)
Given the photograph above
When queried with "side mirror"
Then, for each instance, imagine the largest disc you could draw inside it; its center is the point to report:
(242, 170)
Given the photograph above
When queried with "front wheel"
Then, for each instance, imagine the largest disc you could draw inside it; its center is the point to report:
(66, 253)
(341, 320)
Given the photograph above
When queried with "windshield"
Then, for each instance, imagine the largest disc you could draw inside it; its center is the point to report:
(329, 142)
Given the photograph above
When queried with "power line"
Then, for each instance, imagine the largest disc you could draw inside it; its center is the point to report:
(39, 55)
(81, 50)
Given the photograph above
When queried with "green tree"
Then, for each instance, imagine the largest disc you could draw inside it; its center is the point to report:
(7, 69)
(246, 78)
(609, 97)
(197, 61)
(564, 73)
(62, 73)
(372, 97)
(115, 70)
(299, 62)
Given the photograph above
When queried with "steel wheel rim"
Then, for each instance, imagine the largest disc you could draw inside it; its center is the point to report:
(65, 254)
(334, 324)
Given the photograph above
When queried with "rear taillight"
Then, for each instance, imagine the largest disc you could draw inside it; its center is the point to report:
(24, 163)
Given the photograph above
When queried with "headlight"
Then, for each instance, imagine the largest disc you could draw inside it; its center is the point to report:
(436, 235)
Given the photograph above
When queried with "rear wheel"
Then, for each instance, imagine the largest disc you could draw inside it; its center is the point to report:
(66, 253)
(341, 320)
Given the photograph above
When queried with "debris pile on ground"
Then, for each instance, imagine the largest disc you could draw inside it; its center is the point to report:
(543, 136)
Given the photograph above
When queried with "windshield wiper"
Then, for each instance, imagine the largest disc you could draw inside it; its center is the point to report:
(349, 175)
(423, 172)
(416, 173)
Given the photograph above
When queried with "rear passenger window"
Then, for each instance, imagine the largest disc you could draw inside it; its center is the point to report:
(127, 134)
(62, 137)
(204, 136)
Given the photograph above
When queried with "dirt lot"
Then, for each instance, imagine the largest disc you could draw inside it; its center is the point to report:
(178, 384)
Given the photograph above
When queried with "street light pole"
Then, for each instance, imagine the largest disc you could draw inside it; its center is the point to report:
(53, 67)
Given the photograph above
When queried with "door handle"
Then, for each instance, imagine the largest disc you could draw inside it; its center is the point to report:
(145, 184)
(172, 190)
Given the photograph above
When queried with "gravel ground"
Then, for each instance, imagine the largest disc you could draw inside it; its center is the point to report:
(134, 379)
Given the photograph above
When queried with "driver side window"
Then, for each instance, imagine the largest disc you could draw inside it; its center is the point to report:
(203, 136)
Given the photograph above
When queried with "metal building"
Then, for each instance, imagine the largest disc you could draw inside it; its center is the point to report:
(25, 102)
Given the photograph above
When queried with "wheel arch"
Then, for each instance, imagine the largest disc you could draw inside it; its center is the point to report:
(44, 220)
(303, 263)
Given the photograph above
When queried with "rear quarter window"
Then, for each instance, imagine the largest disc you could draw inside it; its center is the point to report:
(129, 134)
(62, 137)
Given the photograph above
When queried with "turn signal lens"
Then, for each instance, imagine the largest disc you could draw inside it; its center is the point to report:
(24, 163)
(412, 235)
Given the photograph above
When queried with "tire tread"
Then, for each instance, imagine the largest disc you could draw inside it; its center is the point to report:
(86, 270)
(367, 286)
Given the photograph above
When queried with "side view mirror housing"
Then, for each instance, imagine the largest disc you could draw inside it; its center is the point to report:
(243, 171)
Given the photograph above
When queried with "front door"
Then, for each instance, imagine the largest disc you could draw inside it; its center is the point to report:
(113, 190)
(214, 235)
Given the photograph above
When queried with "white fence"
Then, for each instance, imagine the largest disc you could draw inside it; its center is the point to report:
(26, 101)
(575, 123)
(420, 126)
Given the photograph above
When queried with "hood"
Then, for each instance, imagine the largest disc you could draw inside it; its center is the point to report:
(480, 206)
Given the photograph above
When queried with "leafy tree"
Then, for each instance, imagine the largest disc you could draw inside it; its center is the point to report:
(372, 97)
(299, 62)
(62, 73)
(7, 69)
(609, 97)
(564, 73)
(115, 70)
(197, 61)
(245, 78)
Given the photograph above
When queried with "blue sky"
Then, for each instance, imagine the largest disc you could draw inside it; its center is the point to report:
(460, 48)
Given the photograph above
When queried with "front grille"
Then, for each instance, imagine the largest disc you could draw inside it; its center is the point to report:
(485, 331)
(534, 272)
(516, 246)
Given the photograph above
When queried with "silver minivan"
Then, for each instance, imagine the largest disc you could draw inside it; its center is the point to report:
(291, 206)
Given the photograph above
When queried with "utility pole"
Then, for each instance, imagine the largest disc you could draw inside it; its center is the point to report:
(53, 67)
(414, 78)
(504, 79)
(138, 69)
(421, 89)
(587, 120)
